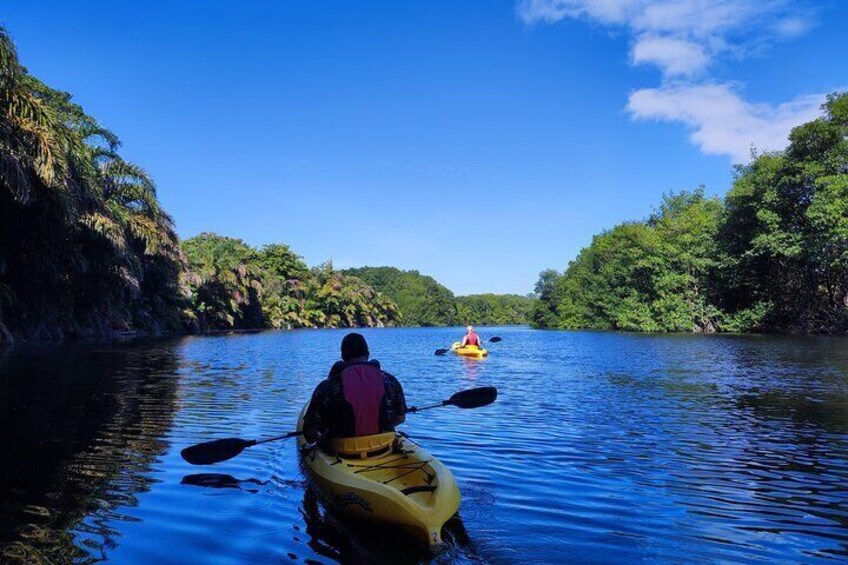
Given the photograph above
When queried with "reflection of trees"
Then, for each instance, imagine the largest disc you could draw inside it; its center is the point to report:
(829, 411)
(81, 428)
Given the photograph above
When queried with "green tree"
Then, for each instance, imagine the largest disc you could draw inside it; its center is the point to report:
(494, 309)
(783, 236)
(225, 281)
(641, 276)
(420, 299)
(547, 291)
(234, 286)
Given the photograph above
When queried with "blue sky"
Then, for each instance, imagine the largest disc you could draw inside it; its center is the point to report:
(478, 142)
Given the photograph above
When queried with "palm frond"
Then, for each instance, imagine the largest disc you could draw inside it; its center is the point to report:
(107, 228)
(15, 178)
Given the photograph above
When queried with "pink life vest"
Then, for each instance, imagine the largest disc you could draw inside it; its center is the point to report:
(473, 339)
(364, 389)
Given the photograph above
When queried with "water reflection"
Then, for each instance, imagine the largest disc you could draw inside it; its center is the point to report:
(472, 368)
(828, 411)
(79, 438)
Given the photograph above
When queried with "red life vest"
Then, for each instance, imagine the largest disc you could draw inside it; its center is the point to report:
(363, 388)
(473, 339)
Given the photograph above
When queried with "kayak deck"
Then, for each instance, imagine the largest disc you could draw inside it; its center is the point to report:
(402, 485)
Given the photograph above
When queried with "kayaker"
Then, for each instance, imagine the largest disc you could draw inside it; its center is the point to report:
(357, 398)
(470, 338)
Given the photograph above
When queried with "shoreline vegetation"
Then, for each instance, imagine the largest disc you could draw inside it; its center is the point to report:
(771, 256)
(87, 252)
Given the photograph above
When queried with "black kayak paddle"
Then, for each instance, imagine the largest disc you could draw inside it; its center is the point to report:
(220, 450)
(471, 398)
(490, 340)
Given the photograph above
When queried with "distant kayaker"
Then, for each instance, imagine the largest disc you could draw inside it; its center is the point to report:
(470, 338)
(357, 398)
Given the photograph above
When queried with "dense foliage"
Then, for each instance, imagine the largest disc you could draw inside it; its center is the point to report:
(494, 309)
(648, 276)
(85, 248)
(772, 256)
(421, 300)
(235, 286)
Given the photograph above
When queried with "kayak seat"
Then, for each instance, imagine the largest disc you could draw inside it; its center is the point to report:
(363, 447)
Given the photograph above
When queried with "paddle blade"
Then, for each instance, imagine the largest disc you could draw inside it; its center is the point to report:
(215, 451)
(474, 397)
(495, 339)
(441, 351)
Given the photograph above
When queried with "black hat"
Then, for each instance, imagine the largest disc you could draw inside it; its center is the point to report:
(353, 346)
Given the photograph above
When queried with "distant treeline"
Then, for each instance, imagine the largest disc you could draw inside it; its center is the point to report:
(422, 301)
(771, 256)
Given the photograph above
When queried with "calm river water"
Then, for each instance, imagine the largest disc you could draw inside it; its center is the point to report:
(602, 448)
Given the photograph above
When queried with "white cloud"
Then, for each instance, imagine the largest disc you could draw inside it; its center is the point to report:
(792, 27)
(720, 121)
(682, 38)
(676, 57)
(550, 11)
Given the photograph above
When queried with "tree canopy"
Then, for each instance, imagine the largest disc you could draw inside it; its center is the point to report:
(235, 286)
(494, 309)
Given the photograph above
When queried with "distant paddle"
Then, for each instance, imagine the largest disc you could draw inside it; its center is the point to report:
(490, 340)
(220, 450)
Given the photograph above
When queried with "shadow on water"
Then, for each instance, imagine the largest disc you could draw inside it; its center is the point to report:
(219, 480)
(79, 437)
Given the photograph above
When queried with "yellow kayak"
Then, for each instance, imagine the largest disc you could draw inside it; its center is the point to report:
(384, 478)
(469, 350)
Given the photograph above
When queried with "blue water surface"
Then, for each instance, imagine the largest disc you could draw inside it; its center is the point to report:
(601, 448)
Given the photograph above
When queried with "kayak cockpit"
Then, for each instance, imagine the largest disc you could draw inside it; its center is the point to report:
(362, 447)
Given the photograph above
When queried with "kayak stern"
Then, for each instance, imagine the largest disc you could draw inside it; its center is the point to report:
(404, 487)
(471, 351)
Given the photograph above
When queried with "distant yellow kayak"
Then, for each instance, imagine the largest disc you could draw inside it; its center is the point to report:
(469, 350)
(384, 478)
